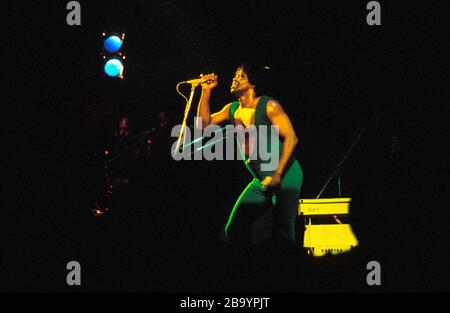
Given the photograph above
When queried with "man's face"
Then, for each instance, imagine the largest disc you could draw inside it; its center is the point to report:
(240, 82)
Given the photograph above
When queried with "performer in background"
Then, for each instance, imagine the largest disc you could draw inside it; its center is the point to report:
(279, 189)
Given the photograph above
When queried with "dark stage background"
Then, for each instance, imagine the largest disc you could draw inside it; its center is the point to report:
(333, 74)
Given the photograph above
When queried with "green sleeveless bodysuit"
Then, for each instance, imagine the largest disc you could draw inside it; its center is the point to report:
(254, 203)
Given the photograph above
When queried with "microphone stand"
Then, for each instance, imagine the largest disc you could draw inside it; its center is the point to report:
(186, 112)
(342, 161)
(191, 96)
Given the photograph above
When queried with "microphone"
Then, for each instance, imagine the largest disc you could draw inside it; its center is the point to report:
(196, 81)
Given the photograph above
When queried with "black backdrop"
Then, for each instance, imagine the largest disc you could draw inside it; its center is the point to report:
(332, 73)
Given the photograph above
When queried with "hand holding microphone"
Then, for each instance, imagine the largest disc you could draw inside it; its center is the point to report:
(208, 81)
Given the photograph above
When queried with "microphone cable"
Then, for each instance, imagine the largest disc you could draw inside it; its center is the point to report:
(183, 124)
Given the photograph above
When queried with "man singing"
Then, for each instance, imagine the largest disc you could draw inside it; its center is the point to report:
(278, 188)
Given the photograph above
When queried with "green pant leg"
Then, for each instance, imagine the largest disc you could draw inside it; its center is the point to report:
(286, 204)
(251, 204)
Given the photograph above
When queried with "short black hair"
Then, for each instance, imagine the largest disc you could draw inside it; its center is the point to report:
(258, 75)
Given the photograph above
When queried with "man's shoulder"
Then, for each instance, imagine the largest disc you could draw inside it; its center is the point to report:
(272, 103)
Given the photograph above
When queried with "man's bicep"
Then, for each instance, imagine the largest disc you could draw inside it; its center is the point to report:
(278, 116)
(221, 116)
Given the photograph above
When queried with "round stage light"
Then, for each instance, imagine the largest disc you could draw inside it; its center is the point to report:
(114, 68)
(113, 44)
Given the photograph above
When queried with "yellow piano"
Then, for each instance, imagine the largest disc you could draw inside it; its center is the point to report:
(322, 238)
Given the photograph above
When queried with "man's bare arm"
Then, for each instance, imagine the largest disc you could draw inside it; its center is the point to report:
(204, 105)
(278, 116)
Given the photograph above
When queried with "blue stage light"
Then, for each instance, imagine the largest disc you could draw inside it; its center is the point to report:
(112, 44)
(114, 68)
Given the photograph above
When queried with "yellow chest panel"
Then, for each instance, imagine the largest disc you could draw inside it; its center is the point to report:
(244, 116)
